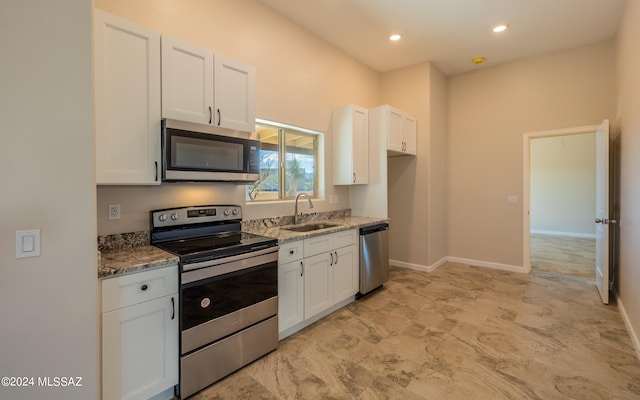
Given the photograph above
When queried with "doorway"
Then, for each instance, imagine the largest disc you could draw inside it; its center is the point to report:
(559, 202)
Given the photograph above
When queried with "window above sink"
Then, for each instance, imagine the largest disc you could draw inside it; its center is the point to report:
(289, 162)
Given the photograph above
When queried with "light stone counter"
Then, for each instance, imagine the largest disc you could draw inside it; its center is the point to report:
(130, 252)
(133, 259)
(342, 223)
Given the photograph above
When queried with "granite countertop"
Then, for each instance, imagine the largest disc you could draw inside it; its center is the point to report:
(283, 235)
(119, 262)
(126, 253)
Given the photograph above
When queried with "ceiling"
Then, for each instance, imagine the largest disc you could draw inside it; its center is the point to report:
(451, 33)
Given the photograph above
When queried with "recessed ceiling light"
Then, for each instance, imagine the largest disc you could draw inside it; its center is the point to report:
(395, 37)
(500, 28)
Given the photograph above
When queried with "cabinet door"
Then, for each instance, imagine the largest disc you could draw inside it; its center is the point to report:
(290, 294)
(187, 81)
(140, 349)
(350, 145)
(409, 134)
(234, 94)
(360, 146)
(395, 140)
(318, 284)
(345, 273)
(127, 101)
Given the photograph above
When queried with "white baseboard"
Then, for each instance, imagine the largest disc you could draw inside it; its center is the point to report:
(485, 264)
(627, 322)
(570, 234)
(418, 267)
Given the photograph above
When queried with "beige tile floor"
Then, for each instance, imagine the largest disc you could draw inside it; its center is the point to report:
(564, 255)
(460, 332)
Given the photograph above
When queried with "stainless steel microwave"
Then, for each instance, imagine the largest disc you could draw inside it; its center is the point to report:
(202, 153)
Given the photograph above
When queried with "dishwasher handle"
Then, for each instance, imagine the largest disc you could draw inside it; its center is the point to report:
(366, 230)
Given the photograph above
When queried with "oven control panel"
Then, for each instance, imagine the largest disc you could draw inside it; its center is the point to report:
(195, 215)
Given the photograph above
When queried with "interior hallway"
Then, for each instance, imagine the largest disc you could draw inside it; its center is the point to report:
(460, 332)
(565, 255)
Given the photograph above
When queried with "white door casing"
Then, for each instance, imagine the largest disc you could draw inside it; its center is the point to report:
(602, 211)
(602, 198)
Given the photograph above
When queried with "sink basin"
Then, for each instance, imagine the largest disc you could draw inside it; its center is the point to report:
(309, 227)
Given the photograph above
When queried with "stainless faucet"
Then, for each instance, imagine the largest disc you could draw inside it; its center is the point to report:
(295, 217)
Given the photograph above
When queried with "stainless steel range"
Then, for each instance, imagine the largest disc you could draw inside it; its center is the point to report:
(228, 291)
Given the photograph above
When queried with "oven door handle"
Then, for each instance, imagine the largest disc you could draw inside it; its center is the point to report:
(224, 260)
(249, 260)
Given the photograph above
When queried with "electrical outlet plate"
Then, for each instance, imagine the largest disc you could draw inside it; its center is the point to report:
(114, 211)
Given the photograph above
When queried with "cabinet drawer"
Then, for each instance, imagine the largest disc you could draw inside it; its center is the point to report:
(139, 287)
(318, 244)
(289, 252)
(345, 238)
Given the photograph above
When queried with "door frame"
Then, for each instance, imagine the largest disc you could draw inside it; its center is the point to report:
(526, 181)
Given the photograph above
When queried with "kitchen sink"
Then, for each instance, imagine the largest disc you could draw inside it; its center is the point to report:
(309, 227)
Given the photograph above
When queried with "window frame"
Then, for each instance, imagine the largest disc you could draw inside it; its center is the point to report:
(283, 130)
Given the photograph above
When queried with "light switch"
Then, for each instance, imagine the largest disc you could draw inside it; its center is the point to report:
(512, 199)
(28, 243)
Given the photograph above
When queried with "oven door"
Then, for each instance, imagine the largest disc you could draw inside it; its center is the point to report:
(220, 300)
(190, 155)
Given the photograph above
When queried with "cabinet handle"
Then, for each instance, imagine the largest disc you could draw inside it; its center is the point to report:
(144, 287)
(173, 308)
(331, 254)
(219, 117)
(291, 252)
(156, 171)
(210, 114)
(336, 253)
(301, 268)
(354, 177)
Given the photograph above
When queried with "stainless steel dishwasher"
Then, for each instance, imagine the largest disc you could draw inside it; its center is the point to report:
(374, 257)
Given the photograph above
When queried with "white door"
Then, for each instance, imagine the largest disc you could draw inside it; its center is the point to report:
(318, 284)
(602, 210)
(187, 81)
(234, 94)
(345, 273)
(290, 294)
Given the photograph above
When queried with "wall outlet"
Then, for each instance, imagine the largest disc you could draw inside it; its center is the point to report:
(114, 211)
(512, 199)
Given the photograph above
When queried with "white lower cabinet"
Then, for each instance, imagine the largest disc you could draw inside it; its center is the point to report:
(290, 294)
(140, 334)
(316, 276)
(318, 285)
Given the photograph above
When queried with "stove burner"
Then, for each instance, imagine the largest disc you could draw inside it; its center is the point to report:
(202, 233)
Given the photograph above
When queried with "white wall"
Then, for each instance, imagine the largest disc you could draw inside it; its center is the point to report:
(628, 123)
(49, 303)
(563, 188)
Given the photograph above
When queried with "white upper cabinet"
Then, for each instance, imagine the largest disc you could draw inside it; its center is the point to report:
(127, 101)
(398, 127)
(235, 94)
(187, 81)
(350, 145)
(202, 87)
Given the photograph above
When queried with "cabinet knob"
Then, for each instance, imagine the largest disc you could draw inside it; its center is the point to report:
(144, 287)
(291, 251)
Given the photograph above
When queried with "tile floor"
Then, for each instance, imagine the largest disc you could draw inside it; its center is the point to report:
(460, 332)
(564, 254)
